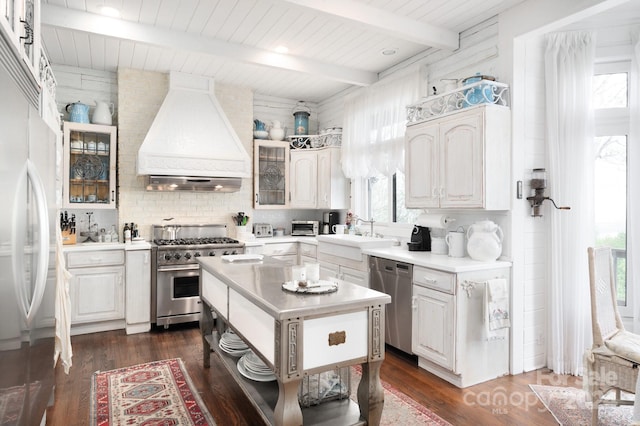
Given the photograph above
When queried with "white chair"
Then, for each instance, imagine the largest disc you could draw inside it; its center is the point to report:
(612, 362)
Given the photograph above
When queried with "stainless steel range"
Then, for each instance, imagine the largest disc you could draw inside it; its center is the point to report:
(175, 294)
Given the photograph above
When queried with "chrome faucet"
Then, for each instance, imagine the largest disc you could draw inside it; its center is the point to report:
(370, 221)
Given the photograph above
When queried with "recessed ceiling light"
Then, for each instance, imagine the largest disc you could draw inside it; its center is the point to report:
(110, 11)
(282, 49)
(388, 51)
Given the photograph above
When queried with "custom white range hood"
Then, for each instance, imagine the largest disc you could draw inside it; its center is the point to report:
(191, 144)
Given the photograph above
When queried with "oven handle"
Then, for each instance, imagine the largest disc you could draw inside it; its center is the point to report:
(178, 268)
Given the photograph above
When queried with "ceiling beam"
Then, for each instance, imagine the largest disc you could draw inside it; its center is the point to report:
(71, 19)
(385, 22)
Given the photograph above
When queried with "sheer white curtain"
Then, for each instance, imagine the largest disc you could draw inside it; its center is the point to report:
(374, 124)
(633, 183)
(569, 59)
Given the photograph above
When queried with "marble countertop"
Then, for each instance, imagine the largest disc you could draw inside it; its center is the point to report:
(138, 245)
(274, 240)
(261, 282)
(440, 262)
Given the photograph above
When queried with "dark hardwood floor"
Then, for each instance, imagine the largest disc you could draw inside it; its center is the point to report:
(506, 401)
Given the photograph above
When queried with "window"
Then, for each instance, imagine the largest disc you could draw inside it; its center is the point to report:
(611, 113)
(385, 200)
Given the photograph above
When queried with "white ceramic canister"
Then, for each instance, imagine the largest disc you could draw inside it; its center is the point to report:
(455, 241)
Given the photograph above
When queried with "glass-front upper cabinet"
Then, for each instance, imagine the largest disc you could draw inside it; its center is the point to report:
(89, 166)
(271, 174)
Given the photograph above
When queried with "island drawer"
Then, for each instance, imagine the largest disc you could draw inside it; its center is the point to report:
(437, 280)
(81, 259)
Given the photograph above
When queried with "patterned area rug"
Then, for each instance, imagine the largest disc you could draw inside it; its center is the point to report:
(398, 409)
(570, 407)
(152, 394)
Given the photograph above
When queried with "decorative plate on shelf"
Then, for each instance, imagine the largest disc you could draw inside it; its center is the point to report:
(87, 167)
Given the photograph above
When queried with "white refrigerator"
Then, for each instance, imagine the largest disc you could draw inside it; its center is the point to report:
(28, 223)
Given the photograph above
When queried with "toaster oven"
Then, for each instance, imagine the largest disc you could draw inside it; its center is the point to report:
(305, 227)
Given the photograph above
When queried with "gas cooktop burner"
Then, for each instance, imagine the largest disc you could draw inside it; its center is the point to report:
(196, 241)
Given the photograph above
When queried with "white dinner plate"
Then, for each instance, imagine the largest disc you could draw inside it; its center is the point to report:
(252, 376)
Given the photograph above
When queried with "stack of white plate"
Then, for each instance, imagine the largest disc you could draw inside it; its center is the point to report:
(252, 367)
(232, 344)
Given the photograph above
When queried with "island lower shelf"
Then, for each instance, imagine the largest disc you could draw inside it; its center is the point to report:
(264, 395)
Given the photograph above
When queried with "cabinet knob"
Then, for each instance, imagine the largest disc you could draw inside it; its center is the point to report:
(113, 195)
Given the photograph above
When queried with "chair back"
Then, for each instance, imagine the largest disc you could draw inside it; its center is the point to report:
(605, 318)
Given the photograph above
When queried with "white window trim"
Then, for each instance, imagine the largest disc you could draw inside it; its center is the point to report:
(616, 121)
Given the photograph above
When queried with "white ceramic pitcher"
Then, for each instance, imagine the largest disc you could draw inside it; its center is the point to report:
(484, 241)
(102, 114)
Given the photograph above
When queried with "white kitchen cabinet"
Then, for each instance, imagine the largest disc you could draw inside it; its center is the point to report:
(307, 253)
(96, 290)
(138, 291)
(433, 321)
(20, 23)
(354, 276)
(303, 172)
(343, 262)
(317, 181)
(460, 160)
(89, 166)
(270, 174)
(287, 252)
(449, 326)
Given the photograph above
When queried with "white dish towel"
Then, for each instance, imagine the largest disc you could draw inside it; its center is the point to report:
(496, 308)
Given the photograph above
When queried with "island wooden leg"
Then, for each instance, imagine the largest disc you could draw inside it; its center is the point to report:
(206, 328)
(288, 411)
(371, 393)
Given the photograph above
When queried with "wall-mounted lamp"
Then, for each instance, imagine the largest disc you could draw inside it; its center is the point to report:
(538, 184)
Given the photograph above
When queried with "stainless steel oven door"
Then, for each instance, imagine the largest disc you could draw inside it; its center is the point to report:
(177, 295)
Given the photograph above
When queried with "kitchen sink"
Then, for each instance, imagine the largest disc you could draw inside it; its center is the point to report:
(356, 240)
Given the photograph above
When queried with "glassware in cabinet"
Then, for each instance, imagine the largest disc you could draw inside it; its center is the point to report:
(89, 166)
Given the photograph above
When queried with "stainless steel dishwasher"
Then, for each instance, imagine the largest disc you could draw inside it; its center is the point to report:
(394, 279)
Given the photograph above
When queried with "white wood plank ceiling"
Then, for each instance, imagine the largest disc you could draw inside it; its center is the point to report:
(333, 44)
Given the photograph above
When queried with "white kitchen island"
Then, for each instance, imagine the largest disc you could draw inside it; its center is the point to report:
(296, 335)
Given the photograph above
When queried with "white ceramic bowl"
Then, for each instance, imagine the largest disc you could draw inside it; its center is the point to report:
(260, 134)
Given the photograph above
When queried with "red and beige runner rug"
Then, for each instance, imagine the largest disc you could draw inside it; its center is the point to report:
(152, 394)
(399, 409)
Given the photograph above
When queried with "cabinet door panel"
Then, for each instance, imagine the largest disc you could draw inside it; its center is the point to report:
(432, 326)
(271, 174)
(97, 294)
(354, 276)
(89, 166)
(421, 166)
(138, 307)
(304, 179)
(461, 176)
